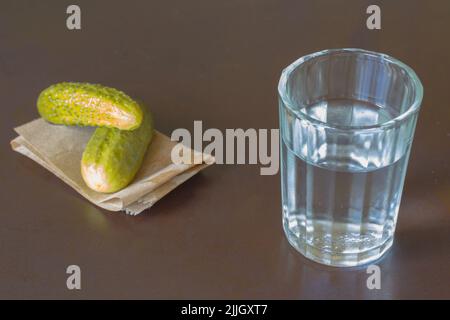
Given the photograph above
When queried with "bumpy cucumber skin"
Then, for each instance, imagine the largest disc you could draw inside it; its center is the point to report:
(113, 157)
(86, 104)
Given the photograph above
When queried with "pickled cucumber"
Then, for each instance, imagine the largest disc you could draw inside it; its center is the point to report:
(85, 104)
(112, 157)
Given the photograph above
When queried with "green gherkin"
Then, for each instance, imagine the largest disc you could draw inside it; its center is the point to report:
(113, 157)
(86, 104)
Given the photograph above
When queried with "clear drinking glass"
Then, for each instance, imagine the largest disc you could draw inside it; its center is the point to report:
(347, 120)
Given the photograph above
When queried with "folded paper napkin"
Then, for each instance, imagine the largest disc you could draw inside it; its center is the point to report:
(59, 150)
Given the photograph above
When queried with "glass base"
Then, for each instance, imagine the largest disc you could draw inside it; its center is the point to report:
(336, 258)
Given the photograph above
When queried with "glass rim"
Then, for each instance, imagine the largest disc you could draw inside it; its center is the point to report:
(411, 110)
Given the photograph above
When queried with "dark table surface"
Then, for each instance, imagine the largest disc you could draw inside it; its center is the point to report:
(218, 235)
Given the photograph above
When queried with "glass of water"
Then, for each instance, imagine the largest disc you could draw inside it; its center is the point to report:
(347, 120)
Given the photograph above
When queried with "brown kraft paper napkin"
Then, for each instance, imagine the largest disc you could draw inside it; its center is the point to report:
(59, 150)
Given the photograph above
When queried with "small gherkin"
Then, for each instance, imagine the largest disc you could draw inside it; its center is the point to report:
(85, 104)
(113, 157)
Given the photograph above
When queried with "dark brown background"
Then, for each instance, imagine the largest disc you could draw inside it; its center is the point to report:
(219, 235)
